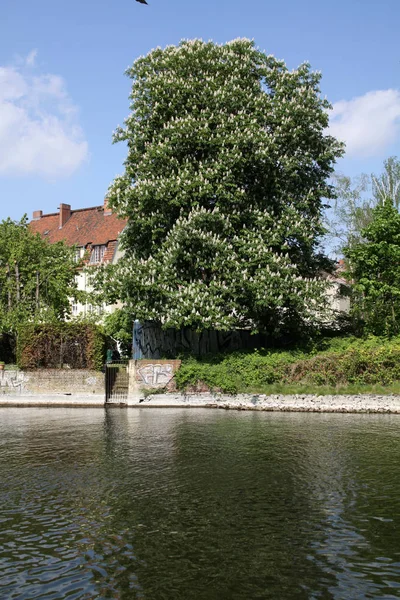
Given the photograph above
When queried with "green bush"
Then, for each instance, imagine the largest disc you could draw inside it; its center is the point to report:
(336, 362)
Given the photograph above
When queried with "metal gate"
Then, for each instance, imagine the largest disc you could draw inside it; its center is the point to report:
(117, 381)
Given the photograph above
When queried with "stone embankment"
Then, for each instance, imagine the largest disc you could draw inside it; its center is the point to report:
(52, 400)
(363, 403)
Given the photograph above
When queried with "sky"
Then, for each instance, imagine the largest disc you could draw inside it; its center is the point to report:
(63, 90)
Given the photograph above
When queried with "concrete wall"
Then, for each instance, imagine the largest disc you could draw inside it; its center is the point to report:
(144, 375)
(48, 381)
(156, 373)
(147, 375)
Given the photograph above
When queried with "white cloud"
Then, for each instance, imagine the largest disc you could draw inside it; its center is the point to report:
(368, 124)
(39, 131)
(31, 58)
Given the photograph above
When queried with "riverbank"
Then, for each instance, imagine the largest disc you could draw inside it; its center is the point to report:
(278, 403)
(50, 400)
(339, 366)
(361, 403)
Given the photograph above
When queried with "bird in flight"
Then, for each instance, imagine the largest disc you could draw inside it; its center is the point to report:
(142, 1)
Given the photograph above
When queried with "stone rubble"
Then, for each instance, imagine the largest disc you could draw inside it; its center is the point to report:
(361, 403)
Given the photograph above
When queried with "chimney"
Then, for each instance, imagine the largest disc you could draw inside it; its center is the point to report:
(65, 213)
(37, 214)
(107, 209)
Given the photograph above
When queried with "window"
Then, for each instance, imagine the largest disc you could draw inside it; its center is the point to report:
(97, 254)
(74, 309)
(77, 256)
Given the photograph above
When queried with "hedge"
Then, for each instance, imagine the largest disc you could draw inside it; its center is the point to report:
(74, 345)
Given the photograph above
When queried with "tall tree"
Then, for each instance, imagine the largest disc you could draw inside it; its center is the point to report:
(228, 160)
(351, 211)
(387, 185)
(37, 280)
(355, 200)
(374, 270)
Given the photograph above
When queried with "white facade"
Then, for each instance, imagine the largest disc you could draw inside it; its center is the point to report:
(339, 302)
(83, 283)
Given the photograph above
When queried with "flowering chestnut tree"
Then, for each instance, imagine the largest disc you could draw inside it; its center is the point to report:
(228, 162)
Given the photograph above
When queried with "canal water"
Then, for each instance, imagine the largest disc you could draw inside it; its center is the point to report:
(195, 504)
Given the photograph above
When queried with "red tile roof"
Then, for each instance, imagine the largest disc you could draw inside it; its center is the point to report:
(84, 226)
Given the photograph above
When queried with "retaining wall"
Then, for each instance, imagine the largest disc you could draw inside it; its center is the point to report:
(144, 375)
(47, 381)
(148, 375)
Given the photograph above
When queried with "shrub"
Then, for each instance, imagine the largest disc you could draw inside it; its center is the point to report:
(78, 345)
(337, 362)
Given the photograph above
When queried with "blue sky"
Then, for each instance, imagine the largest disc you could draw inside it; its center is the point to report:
(63, 89)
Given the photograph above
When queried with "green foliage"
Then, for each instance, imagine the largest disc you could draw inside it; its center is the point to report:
(118, 325)
(374, 270)
(334, 363)
(228, 160)
(55, 345)
(356, 199)
(37, 279)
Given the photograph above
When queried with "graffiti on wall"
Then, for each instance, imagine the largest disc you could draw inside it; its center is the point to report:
(12, 381)
(150, 341)
(155, 374)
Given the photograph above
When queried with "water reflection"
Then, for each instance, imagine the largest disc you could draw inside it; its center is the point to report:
(179, 504)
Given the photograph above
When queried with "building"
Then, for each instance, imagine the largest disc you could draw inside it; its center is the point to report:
(94, 231)
(339, 289)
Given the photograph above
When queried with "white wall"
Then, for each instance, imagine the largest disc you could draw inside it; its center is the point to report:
(337, 302)
(79, 309)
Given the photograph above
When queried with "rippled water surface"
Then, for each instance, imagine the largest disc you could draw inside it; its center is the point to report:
(196, 504)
